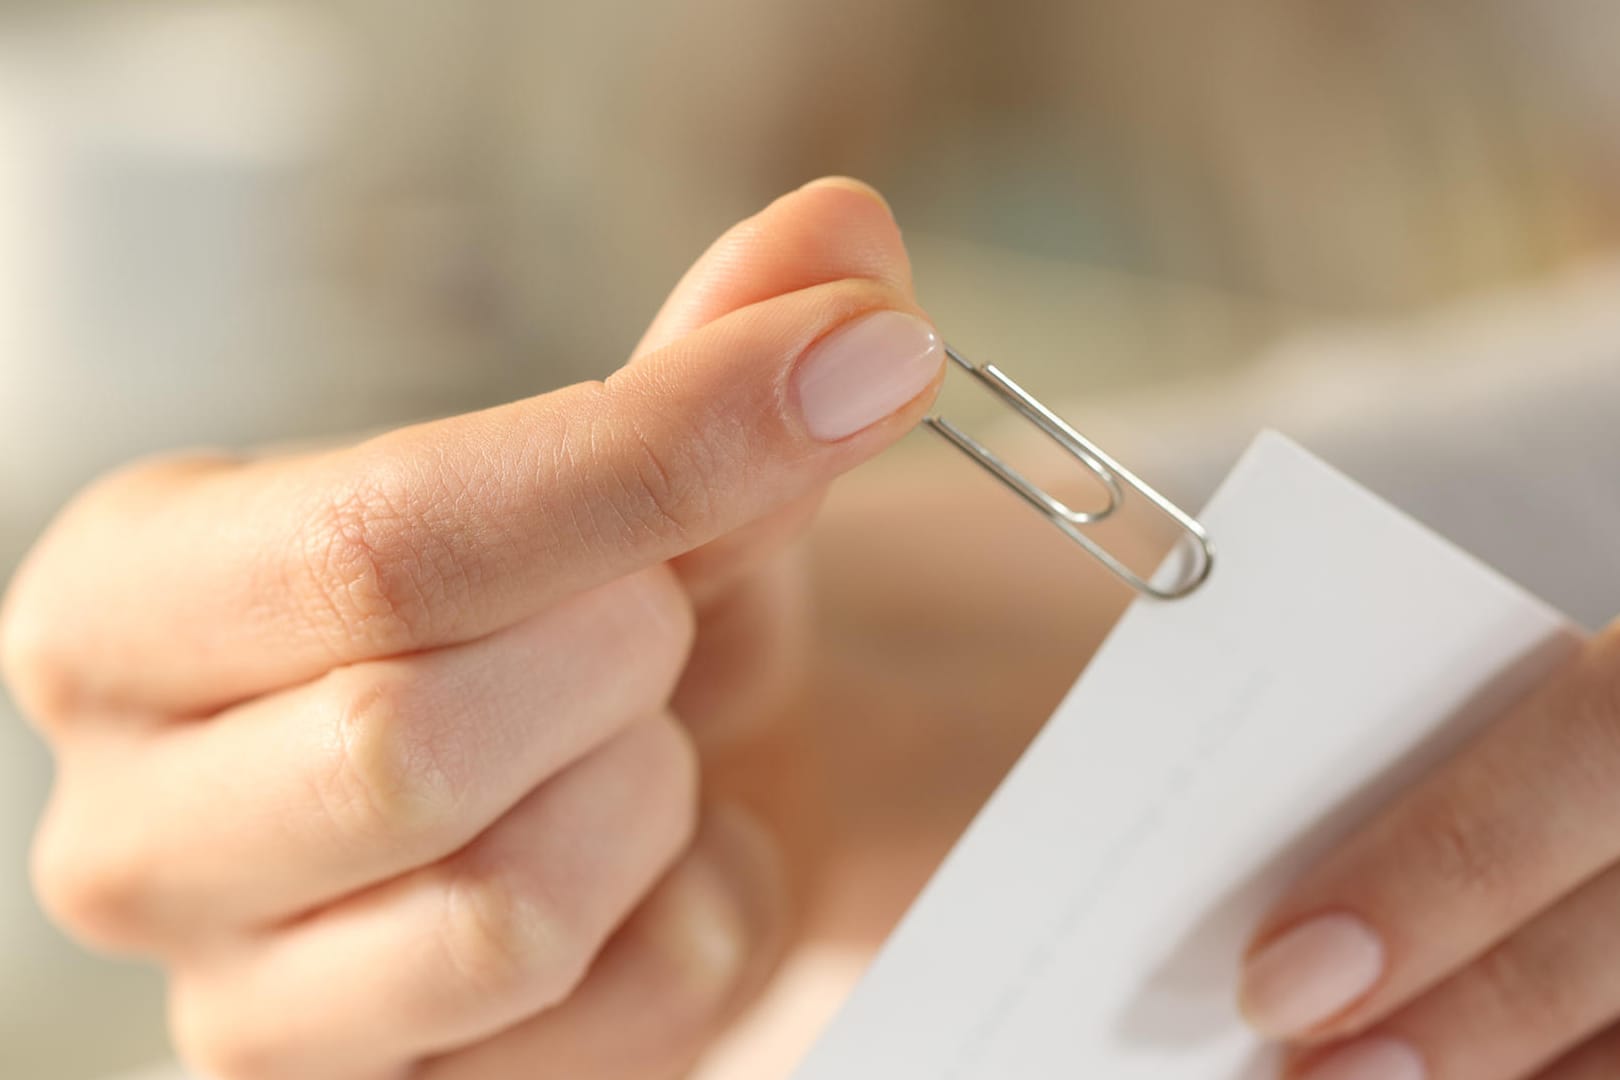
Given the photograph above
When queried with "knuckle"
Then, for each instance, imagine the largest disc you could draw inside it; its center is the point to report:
(669, 776)
(40, 648)
(682, 757)
(390, 780)
(32, 663)
(505, 932)
(44, 615)
(210, 1046)
(369, 567)
(1467, 856)
(96, 897)
(1527, 986)
(1597, 708)
(656, 483)
(504, 938)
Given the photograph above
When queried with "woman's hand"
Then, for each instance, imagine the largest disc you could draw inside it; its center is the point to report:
(377, 750)
(1471, 932)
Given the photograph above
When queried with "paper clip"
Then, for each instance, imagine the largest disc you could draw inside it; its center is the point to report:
(1114, 477)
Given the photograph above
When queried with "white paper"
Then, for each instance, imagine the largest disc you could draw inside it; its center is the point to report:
(1088, 925)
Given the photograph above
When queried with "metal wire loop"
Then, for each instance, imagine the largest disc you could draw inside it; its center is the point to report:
(1116, 480)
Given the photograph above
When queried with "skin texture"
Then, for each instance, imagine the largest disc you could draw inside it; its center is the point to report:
(395, 755)
(1492, 886)
(526, 743)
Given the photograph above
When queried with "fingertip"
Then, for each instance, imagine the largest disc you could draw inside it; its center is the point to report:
(716, 921)
(831, 229)
(849, 183)
(697, 925)
(1303, 979)
(839, 227)
(749, 859)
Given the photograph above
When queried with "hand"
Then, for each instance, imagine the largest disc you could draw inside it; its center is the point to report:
(1472, 931)
(376, 749)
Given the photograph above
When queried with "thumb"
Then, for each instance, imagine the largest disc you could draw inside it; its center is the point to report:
(767, 404)
(688, 442)
(830, 229)
(446, 531)
(535, 500)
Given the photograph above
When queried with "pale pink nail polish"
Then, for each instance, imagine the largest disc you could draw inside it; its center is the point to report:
(862, 372)
(1370, 1059)
(1310, 974)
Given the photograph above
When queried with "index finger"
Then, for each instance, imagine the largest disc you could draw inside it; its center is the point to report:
(241, 579)
(1519, 819)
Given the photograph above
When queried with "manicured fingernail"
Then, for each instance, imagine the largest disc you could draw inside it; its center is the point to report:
(1370, 1059)
(700, 929)
(1310, 974)
(862, 372)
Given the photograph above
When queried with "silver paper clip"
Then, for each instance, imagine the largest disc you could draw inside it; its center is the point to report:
(1114, 477)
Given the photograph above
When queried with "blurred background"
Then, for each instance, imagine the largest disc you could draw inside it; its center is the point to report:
(237, 221)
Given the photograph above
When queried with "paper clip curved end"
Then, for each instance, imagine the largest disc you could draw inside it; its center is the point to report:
(1117, 481)
(1186, 580)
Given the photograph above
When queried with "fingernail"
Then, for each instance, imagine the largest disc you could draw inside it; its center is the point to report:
(1310, 974)
(1370, 1059)
(700, 929)
(863, 372)
(726, 916)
